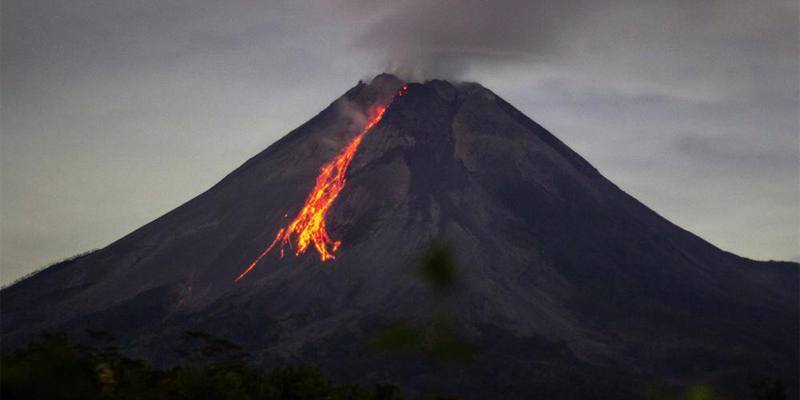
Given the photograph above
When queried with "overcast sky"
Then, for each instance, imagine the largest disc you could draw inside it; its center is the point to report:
(115, 112)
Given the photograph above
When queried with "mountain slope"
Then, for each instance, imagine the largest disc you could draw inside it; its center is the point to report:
(559, 269)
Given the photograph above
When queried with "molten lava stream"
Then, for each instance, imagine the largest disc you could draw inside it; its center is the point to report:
(308, 227)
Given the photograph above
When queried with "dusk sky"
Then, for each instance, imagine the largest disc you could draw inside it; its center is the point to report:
(116, 112)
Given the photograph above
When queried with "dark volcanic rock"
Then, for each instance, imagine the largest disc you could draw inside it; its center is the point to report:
(569, 287)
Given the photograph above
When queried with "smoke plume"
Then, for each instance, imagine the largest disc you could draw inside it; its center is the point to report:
(420, 39)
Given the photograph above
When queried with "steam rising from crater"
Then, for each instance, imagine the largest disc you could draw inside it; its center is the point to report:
(423, 39)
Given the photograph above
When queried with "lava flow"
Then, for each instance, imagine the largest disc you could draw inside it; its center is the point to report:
(308, 227)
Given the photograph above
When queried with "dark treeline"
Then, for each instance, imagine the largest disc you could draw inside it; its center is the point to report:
(55, 368)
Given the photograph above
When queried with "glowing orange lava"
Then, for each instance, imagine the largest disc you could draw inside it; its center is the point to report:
(308, 227)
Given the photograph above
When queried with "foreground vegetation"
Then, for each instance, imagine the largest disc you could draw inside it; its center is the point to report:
(53, 368)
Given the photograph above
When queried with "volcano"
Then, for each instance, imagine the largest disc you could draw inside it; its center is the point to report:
(568, 287)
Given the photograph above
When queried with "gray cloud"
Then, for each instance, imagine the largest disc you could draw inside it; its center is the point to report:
(424, 39)
(733, 151)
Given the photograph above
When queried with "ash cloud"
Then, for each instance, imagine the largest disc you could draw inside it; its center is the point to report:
(419, 39)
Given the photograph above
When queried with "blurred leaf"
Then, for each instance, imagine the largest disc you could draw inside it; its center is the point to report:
(398, 337)
(447, 345)
(700, 392)
(438, 267)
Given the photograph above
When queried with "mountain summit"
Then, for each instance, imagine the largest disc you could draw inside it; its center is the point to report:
(567, 285)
